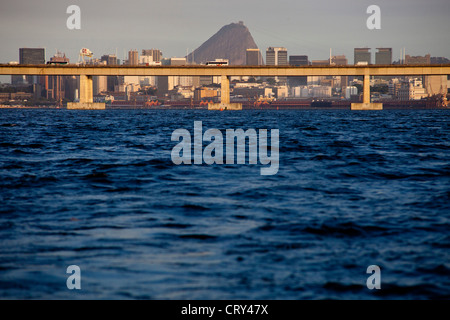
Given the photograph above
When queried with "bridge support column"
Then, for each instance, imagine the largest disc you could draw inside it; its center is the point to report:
(367, 105)
(225, 97)
(225, 90)
(86, 96)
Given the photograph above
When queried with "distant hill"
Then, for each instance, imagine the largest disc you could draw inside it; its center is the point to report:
(439, 60)
(230, 42)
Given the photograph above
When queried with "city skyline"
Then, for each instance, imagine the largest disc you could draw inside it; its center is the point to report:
(177, 27)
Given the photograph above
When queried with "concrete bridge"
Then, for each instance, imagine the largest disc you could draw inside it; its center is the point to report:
(86, 72)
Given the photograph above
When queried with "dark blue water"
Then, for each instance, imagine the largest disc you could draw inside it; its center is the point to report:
(98, 189)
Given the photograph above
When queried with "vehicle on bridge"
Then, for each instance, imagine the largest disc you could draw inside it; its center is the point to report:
(58, 62)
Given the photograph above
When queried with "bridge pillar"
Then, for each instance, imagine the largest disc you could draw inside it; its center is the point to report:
(225, 90)
(225, 97)
(86, 96)
(367, 105)
(86, 91)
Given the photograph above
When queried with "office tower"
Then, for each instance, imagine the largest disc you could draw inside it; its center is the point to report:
(156, 54)
(165, 83)
(150, 57)
(298, 61)
(72, 87)
(383, 56)
(131, 81)
(55, 85)
(340, 60)
(99, 84)
(30, 56)
(276, 56)
(362, 56)
(111, 60)
(316, 80)
(253, 57)
(133, 58)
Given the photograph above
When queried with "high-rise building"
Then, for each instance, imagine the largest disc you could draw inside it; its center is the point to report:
(32, 56)
(166, 83)
(112, 81)
(72, 86)
(298, 61)
(253, 57)
(316, 80)
(133, 58)
(110, 59)
(99, 84)
(276, 56)
(29, 56)
(362, 56)
(341, 81)
(156, 54)
(18, 80)
(383, 56)
(55, 85)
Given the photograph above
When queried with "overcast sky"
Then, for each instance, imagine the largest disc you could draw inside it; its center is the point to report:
(308, 27)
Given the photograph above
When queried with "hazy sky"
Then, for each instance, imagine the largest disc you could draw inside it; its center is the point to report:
(309, 27)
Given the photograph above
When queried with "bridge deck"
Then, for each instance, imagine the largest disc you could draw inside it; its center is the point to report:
(201, 70)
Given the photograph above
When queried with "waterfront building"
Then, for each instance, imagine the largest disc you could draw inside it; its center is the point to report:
(350, 91)
(411, 90)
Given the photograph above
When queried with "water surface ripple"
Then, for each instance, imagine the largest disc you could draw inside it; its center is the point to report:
(98, 189)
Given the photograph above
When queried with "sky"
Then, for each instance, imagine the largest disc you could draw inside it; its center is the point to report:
(309, 27)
